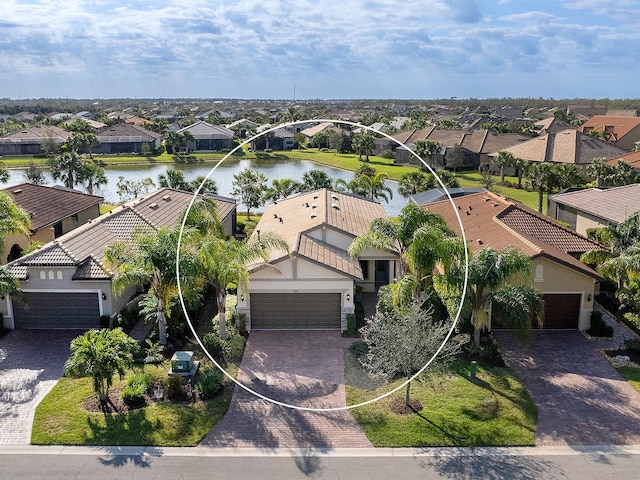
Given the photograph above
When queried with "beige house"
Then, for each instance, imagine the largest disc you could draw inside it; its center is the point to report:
(66, 284)
(594, 207)
(623, 132)
(568, 286)
(54, 211)
(313, 287)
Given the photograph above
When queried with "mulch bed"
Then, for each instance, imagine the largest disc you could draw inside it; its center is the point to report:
(116, 404)
(633, 355)
(399, 407)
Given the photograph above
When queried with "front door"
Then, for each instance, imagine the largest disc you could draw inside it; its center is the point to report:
(382, 272)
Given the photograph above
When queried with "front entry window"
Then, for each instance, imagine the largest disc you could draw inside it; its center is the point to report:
(382, 272)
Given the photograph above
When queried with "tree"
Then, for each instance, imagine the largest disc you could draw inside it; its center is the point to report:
(363, 144)
(502, 160)
(4, 173)
(66, 167)
(151, 260)
(299, 139)
(50, 144)
(314, 180)
(12, 220)
(208, 186)
(492, 289)
(376, 187)
(128, 189)
(414, 182)
(455, 157)
(427, 150)
(81, 141)
(486, 179)
(223, 262)
(101, 354)
(172, 139)
(35, 175)
(79, 125)
(92, 176)
(335, 141)
(606, 174)
(249, 186)
(172, 178)
(402, 342)
(9, 285)
(281, 189)
(541, 177)
(521, 165)
(321, 139)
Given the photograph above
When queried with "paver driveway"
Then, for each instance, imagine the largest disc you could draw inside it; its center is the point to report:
(303, 368)
(31, 362)
(581, 398)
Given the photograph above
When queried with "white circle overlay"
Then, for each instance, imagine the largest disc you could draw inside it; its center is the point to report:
(300, 407)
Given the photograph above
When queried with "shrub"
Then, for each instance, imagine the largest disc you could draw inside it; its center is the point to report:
(209, 383)
(351, 323)
(213, 344)
(632, 345)
(488, 352)
(135, 388)
(359, 349)
(388, 154)
(233, 347)
(359, 314)
(154, 352)
(173, 388)
(633, 319)
(598, 327)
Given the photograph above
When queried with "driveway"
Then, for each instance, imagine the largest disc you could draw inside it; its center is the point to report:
(31, 362)
(581, 398)
(302, 368)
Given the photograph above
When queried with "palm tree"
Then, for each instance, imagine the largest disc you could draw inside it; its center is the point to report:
(172, 139)
(363, 144)
(414, 182)
(223, 262)
(426, 149)
(281, 189)
(541, 177)
(491, 290)
(66, 167)
(151, 260)
(172, 178)
(12, 220)
(502, 160)
(376, 187)
(521, 165)
(314, 180)
(101, 354)
(93, 175)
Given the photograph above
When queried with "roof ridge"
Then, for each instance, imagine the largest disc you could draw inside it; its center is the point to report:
(66, 251)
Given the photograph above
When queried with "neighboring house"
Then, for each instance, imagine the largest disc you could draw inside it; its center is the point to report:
(438, 194)
(632, 159)
(280, 139)
(54, 211)
(568, 286)
(594, 207)
(623, 132)
(586, 111)
(242, 127)
(566, 146)
(313, 288)
(207, 137)
(29, 140)
(125, 138)
(551, 125)
(66, 283)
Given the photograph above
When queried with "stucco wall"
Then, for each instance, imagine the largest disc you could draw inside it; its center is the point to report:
(585, 221)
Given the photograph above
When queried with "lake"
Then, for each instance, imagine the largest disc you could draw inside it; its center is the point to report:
(223, 175)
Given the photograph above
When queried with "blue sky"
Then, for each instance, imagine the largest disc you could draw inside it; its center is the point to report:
(327, 48)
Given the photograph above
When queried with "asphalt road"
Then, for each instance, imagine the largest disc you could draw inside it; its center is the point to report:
(547, 463)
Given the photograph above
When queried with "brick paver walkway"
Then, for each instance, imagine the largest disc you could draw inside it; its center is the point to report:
(581, 398)
(302, 368)
(31, 362)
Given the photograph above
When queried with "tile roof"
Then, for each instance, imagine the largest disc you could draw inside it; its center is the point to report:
(490, 220)
(126, 132)
(620, 126)
(84, 247)
(329, 256)
(614, 204)
(204, 130)
(565, 146)
(48, 205)
(632, 159)
(36, 134)
(292, 217)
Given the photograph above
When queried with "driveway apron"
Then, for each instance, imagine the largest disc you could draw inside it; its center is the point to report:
(301, 368)
(581, 398)
(31, 362)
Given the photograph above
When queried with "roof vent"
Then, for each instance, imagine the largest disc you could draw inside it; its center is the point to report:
(314, 214)
(480, 242)
(275, 215)
(166, 198)
(335, 205)
(281, 220)
(305, 204)
(313, 205)
(468, 212)
(17, 190)
(315, 197)
(334, 196)
(153, 205)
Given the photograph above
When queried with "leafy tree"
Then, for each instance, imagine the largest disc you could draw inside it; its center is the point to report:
(223, 262)
(492, 289)
(249, 186)
(79, 125)
(448, 124)
(12, 220)
(9, 285)
(455, 157)
(335, 141)
(281, 189)
(128, 189)
(151, 260)
(35, 175)
(4, 173)
(299, 139)
(50, 144)
(321, 139)
(101, 354)
(314, 180)
(403, 341)
(363, 144)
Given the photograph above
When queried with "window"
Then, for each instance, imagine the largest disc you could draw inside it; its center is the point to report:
(364, 266)
(51, 275)
(59, 275)
(43, 275)
(539, 274)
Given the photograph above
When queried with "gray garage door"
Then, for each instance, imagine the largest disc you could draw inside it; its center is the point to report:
(295, 310)
(57, 310)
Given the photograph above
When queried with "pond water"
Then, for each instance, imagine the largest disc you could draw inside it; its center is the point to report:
(223, 175)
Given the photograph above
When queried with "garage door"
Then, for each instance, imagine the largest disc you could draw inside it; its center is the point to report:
(561, 310)
(295, 310)
(57, 310)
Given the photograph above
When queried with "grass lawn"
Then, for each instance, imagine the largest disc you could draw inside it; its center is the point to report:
(61, 419)
(493, 410)
(631, 375)
(250, 224)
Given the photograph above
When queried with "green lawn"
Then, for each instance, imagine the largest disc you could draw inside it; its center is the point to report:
(493, 410)
(631, 375)
(61, 419)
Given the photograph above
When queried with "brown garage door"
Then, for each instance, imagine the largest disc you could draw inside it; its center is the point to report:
(57, 310)
(561, 310)
(295, 311)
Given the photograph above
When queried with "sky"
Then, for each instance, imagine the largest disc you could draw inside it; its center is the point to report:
(319, 49)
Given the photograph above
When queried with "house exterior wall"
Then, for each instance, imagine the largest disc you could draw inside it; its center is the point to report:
(85, 215)
(585, 220)
(556, 278)
(630, 139)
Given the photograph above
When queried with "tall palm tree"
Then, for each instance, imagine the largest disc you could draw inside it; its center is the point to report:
(502, 160)
(376, 187)
(541, 177)
(151, 260)
(281, 188)
(66, 167)
(426, 150)
(173, 178)
(92, 175)
(414, 182)
(223, 262)
(13, 219)
(492, 290)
